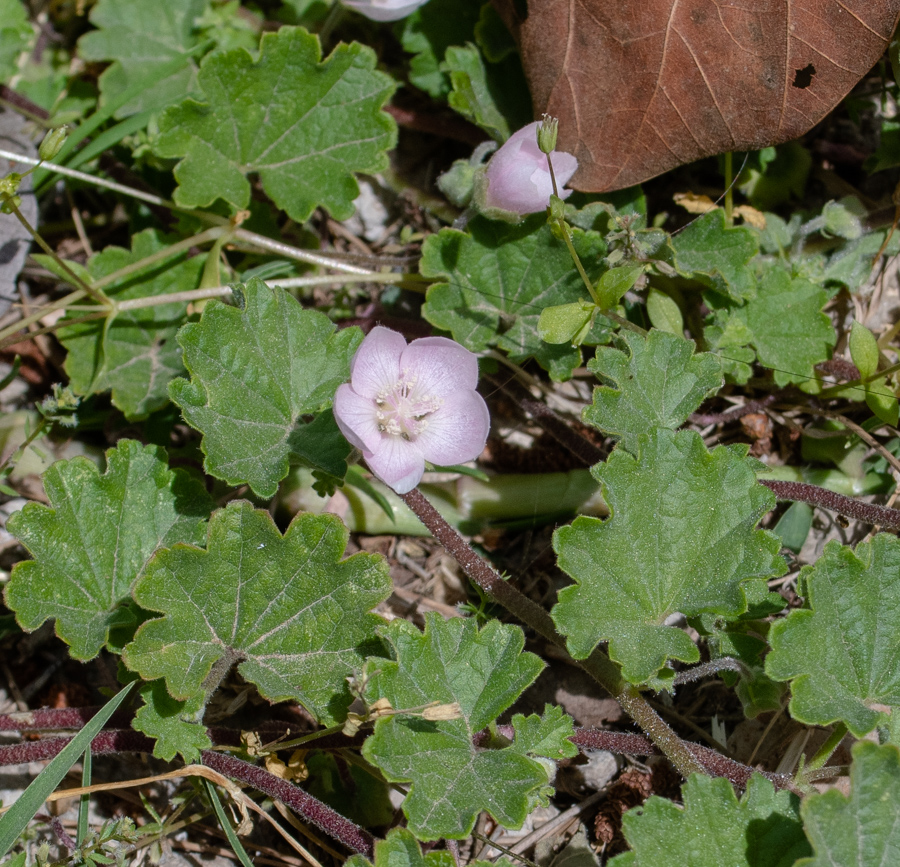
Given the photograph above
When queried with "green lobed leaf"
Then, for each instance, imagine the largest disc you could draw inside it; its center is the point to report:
(863, 827)
(451, 779)
(287, 610)
(429, 32)
(140, 39)
(717, 255)
(546, 735)
(784, 323)
(303, 124)
(841, 653)
(492, 95)
(176, 725)
(498, 280)
(254, 373)
(15, 34)
(94, 539)
(134, 353)
(680, 538)
(401, 849)
(657, 381)
(713, 828)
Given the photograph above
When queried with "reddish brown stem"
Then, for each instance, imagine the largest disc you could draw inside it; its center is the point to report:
(598, 665)
(636, 745)
(847, 506)
(309, 809)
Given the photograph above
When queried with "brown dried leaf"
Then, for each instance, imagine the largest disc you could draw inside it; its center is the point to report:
(694, 203)
(640, 88)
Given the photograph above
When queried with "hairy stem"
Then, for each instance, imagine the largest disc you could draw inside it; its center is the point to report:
(598, 664)
(309, 809)
(826, 751)
(847, 506)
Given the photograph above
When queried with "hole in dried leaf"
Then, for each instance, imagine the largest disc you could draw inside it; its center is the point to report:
(803, 77)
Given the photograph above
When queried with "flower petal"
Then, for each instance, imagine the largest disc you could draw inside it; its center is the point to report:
(376, 366)
(564, 166)
(441, 366)
(457, 432)
(398, 463)
(518, 176)
(385, 10)
(355, 416)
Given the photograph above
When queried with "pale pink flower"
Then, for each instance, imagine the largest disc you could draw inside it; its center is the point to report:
(405, 405)
(518, 177)
(385, 10)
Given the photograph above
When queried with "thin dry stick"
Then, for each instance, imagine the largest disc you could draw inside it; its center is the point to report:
(295, 823)
(251, 237)
(574, 812)
(186, 771)
(861, 433)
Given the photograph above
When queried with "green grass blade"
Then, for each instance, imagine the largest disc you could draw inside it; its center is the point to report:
(236, 846)
(110, 137)
(16, 819)
(84, 802)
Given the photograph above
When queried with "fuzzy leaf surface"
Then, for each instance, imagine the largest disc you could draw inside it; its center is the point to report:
(763, 829)
(133, 353)
(545, 735)
(498, 280)
(784, 323)
(140, 39)
(657, 381)
(863, 827)
(718, 256)
(303, 124)
(286, 609)
(680, 537)
(94, 539)
(451, 779)
(254, 372)
(176, 725)
(842, 654)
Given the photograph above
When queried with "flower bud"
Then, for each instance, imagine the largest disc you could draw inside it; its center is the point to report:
(518, 175)
(53, 142)
(546, 134)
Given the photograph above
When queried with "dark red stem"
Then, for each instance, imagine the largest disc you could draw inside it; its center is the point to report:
(847, 506)
(309, 809)
(598, 665)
